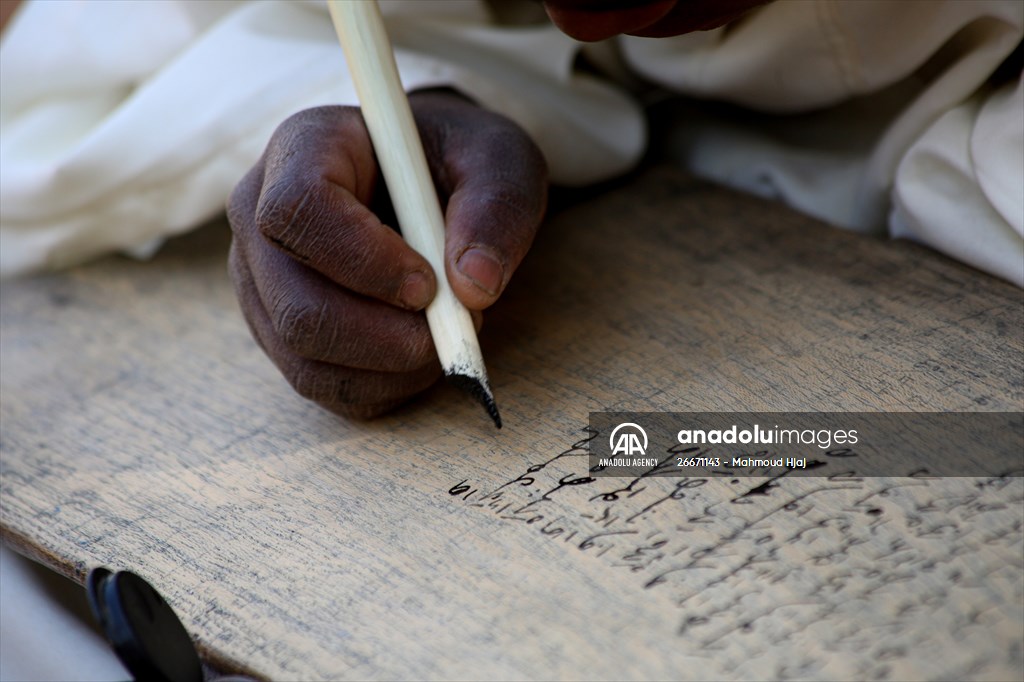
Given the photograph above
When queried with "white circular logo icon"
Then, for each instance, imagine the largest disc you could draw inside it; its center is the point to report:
(628, 441)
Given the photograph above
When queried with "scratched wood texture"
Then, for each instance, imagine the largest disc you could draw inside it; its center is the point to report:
(142, 429)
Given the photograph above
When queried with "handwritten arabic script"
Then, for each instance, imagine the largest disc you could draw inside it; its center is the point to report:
(874, 578)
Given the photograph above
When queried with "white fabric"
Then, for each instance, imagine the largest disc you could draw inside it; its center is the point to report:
(955, 187)
(43, 638)
(138, 130)
(858, 83)
(124, 122)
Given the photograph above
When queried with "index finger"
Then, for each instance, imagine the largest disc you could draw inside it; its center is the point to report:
(319, 176)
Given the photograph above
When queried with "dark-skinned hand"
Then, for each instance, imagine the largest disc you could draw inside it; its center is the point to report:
(332, 294)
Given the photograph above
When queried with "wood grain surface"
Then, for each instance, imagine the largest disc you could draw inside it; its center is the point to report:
(142, 429)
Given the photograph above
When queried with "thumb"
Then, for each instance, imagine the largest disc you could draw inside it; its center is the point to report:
(498, 198)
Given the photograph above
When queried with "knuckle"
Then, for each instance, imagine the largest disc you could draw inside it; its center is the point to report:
(326, 116)
(302, 119)
(517, 150)
(509, 204)
(507, 192)
(280, 207)
(237, 273)
(242, 202)
(304, 326)
(516, 178)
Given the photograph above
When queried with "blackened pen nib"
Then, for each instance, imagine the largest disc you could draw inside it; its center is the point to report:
(479, 391)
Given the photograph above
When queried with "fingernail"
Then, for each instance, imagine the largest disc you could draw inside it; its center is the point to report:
(415, 291)
(483, 268)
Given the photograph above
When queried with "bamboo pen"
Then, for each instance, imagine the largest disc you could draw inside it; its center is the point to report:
(360, 28)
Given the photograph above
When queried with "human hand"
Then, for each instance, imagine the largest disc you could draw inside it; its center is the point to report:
(333, 295)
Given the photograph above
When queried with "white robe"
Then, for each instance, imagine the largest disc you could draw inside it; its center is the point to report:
(122, 123)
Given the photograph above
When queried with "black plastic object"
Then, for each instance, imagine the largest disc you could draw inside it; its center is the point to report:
(142, 628)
